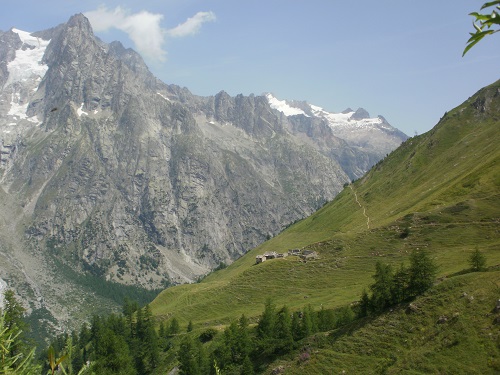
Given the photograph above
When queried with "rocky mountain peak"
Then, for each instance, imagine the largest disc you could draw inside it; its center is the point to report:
(12, 42)
(360, 114)
(131, 58)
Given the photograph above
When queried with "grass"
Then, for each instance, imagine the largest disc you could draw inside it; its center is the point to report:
(452, 331)
(439, 191)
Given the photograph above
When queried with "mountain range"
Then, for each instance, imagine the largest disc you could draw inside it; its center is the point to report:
(107, 172)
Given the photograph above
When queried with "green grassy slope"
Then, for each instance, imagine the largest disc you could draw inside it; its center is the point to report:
(452, 329)
(440, 188)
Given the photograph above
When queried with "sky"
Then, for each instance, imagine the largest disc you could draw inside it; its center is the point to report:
(398, 58)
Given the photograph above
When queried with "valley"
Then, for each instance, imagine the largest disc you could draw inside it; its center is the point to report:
(119, 191)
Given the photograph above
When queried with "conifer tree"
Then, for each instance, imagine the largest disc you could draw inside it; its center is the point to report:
(150, 340)
(309, 324)
(477, 260)
(173, 328)
(18, 363)
(113, 356)
(326, 319)
(381, 288)
(247, 367)
(13, 320)
(296, 326)
(422, 272)
(266, 324)
(187, 355)
(283, 329)
(364, 304)
(400, 285)
(161, 330)
(314, 318)
(244, 341)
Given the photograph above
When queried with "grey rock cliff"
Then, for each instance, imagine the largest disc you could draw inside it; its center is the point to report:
(142, 182)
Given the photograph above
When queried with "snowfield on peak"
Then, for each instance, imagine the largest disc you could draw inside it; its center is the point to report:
(335, 120)
(282, 106)
(27, 63)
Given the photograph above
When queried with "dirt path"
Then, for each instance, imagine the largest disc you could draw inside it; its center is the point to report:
(360, 205)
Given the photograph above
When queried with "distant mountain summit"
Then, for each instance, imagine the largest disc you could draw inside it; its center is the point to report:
(108, 171)
(368, 139)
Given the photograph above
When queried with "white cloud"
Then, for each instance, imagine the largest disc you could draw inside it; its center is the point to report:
(144, 29)
(192, 24)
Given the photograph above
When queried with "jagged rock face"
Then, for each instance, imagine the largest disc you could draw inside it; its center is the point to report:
(10, 42)
(126, 177)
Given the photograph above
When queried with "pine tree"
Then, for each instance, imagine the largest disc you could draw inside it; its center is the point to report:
(150, 340)
(247, 367)
(266, 324)
(306, 324)
(266, 329)
(422, 272)
(296, 326)
(326, 319)
(231, 345)
(309, 324)
(85, 336)
(244, 341)
(400, 285)
(477, 261)
(188, 357)
(283, 330)
(190, 326)
(364, 304)
(173, 328)
(19, 363)
(112, 355)
(13, 311)
(314, 319)
(345, 315)
(14, 322)
(161, 330)
(381, 288)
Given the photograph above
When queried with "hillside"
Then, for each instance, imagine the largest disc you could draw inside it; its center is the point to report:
(452, 329)
(439, 191)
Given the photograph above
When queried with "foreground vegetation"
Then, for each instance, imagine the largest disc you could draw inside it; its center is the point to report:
(428, 332)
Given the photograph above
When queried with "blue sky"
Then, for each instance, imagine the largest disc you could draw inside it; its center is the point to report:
(398, 58)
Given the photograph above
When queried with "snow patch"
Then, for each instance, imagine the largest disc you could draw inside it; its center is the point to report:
(81, 112)
(337, 120)
(27, 63)
(17, 109)
(35, 120)
(282, 106)
(164, 97)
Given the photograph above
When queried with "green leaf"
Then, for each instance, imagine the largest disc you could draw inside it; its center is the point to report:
(491, 3)
(475, 38)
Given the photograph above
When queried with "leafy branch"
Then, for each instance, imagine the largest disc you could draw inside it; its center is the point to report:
(484, 24)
